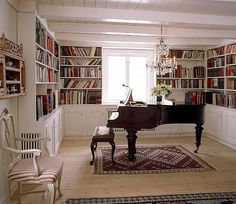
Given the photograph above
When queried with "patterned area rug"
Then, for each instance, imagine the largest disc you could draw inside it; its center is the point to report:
(199, 198)
(149, 159)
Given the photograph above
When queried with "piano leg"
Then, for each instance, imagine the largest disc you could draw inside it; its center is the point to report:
(198, 130)
(131, 137)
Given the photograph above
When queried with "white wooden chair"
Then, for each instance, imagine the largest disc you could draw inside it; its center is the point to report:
(39, 169)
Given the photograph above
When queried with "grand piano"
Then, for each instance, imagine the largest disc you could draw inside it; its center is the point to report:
(134, 118)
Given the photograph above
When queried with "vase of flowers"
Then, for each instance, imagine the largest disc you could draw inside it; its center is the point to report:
(161, 91)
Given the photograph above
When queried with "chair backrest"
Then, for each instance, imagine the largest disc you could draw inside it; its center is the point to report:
(8, 138)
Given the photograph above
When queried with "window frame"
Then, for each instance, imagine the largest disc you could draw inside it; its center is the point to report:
(125, 53)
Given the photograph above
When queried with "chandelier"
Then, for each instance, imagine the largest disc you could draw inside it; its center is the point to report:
(161, 62)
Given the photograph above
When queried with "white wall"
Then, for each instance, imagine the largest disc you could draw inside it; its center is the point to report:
(8, 25)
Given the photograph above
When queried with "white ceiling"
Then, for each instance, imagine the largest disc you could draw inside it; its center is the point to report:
(136, 23)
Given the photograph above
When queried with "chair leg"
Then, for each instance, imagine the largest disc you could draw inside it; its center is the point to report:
(8, 187)
(59, 186)
(92, 147)
(18, 193)
(44, 197)
(113, 150)
(52, 190)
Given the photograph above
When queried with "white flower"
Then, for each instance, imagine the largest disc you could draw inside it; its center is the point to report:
(161, 89)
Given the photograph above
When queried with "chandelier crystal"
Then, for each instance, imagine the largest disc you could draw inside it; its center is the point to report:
(161, 62)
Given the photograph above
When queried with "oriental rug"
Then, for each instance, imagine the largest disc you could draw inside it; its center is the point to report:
(197, 198)
(149, 159)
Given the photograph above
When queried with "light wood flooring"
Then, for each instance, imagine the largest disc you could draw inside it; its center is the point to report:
(79, 180)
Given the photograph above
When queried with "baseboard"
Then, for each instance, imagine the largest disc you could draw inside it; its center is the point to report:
(221, 141)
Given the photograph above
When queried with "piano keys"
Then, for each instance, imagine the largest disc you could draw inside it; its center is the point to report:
(135, 118)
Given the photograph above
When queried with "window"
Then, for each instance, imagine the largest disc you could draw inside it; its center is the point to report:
(129, 68)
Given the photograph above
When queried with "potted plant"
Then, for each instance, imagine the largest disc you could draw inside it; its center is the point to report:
(161, 91)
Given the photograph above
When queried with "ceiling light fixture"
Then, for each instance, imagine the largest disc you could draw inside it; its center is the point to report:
(161, 62)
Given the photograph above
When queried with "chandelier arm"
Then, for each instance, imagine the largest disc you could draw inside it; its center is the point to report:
(161, 62)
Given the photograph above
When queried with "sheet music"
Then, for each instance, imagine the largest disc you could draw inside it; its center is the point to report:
(114, 115)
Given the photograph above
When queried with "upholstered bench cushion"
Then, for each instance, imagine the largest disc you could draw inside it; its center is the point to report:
(101, 130)
(51, 168)
(102, 134)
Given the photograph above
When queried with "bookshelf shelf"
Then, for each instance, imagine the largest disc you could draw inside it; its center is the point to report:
(221, 81)
(188, 79)
(190, 72)
(39, 117)
(81, 75)
(47, 70)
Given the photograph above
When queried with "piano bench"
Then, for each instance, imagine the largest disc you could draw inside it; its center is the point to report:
(102, 134)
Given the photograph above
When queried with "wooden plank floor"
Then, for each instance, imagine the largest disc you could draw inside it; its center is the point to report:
(79, 180)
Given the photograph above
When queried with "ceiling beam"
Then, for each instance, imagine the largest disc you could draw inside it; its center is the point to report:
(134, 41)
(73, 13)
(134, 30)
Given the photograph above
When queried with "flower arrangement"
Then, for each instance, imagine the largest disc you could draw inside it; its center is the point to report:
(161, 90)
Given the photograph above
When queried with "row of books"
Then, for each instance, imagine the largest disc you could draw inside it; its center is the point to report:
(41, 56)
(40, 34)
(72, 97)
(80, 51)
(218, 72)
(47, 58)
(81, 72)
(185, 83)
(45, 103)
(72, 83)
(193, 83)
(187, 54)
(216, 52)
(215, 72)
(50, 44)
(52, 61)
(80, 97)
(221, 99)
(216, 62)
(231, 71)
(185, 72)
(46, 75)
(195, 97)
(231, 59)
(231, 84)
(194, 72)
(214, 98)
(44, 39)
(231, 48)
(76, 61)
(217, 83)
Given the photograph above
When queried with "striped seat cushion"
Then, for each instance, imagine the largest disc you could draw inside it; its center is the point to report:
(51, 168)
